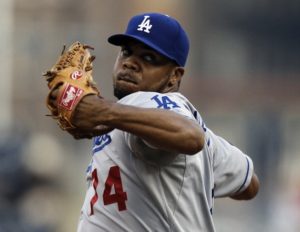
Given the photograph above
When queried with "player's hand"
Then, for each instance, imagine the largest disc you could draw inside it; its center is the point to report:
(83, 118)
(86, 116)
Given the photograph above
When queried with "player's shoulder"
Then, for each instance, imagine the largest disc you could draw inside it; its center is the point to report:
(142, 98)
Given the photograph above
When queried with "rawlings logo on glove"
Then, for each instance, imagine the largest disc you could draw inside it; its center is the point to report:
(76, 74)
(69, 80)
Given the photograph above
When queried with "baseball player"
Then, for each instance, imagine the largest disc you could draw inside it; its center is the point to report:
(155, 165)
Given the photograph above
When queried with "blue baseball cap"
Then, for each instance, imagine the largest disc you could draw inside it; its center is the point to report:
(161, 32)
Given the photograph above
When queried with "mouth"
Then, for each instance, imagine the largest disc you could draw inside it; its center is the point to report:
(126, 78)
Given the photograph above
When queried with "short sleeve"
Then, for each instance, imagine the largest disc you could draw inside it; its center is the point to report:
(233, 169)
(170, 101)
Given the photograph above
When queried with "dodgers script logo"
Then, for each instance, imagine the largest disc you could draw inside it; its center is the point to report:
(100, 142)
(145, 24)
(70, 96)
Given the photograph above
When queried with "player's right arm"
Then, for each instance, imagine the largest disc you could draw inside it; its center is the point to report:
(250, 192)
(234, 174)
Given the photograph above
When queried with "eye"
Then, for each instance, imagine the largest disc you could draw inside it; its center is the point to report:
(125, 52)
(149, 58)
(154, 59)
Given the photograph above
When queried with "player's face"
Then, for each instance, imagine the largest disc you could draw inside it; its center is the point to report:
(140, 68)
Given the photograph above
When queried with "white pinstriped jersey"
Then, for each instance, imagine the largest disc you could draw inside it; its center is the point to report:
(135, 187)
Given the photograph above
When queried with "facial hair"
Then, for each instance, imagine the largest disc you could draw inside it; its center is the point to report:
(120, 93)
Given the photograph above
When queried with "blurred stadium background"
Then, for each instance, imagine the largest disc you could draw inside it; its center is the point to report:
(242, 75)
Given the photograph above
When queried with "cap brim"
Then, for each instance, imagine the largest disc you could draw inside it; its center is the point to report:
(122, 39)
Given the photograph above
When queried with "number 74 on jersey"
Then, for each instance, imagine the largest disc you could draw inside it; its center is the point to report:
(113, 189)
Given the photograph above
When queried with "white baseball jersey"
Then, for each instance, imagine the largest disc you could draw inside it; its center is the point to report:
(135, 187)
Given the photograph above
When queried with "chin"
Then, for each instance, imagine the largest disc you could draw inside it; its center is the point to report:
(122, 90)
(120, 93)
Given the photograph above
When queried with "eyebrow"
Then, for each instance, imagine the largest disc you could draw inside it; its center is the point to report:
(138, 43)
(149, 49)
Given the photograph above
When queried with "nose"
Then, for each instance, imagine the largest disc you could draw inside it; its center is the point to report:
(131, 63)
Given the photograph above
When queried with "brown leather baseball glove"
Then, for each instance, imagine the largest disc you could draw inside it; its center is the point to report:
(70, 79)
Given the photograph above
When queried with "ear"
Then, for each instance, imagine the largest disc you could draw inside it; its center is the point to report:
(175, 78)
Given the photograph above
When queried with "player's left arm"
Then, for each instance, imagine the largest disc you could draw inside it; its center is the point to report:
(250, 192)
(162, 129)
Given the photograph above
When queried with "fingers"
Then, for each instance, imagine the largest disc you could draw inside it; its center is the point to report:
(82, 136)
(101, 130)
(53, 96)
(88, 134)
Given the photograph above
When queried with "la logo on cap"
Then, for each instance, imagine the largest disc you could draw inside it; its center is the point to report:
(145, 24)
